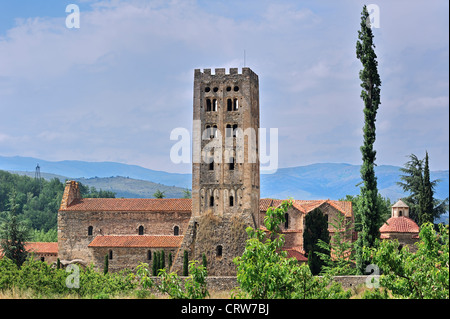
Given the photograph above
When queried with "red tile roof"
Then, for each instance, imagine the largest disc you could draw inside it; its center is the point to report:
(136, 241)
(297, 253)
(131, 204)
(306, 206)
(399, 225)
(42, 248)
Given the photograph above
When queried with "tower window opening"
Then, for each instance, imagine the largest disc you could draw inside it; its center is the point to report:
(216, 89)
(211, 165)
(400, 213)
(231, 201)
(149, 255)
(141, 230)
(229, 105)
(110, 254)
(286, 221)
(228, 88)
(236, 88)
(235, 104)
(228, 130)
(176, 231)
(90, 230)
(231, 164)
(219, 251)
(235, 126)
(207, 89)
(208, 105)
(211, 201)
(214, 105)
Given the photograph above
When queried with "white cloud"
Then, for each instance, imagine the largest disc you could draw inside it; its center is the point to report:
(124, 79)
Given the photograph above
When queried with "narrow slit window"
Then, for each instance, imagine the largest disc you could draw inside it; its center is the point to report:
(208, 105)
(219, 251)
(231, 163)
(141, 230)
(90, 230)
(231, 201)
(211, 201)
(286, 221)
(176, 231)
(229, 105)
(110, 254)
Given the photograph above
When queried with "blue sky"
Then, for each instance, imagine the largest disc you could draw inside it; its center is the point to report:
(114, 89)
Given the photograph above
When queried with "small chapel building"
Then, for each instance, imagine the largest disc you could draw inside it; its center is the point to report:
(400, 226)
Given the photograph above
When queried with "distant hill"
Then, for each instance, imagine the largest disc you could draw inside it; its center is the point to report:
(316, 181)
(123, 186)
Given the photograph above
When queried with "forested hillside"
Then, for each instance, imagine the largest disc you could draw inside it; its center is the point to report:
(38, 202)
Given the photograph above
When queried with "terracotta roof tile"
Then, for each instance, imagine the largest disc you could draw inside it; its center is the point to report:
(306, 206)
(135, 241)
(41, 247)
(399, 225)
(131, 204)
(297, 253)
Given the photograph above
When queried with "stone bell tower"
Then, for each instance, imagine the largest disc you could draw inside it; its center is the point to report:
(225, 169)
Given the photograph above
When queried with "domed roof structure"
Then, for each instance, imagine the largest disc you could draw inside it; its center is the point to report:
(399, 224)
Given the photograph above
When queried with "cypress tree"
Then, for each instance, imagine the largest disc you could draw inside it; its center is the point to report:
(106, 265)
(204, 262)
(163, 260)
(185, 263)
(427, 196)
(370, 94)
(170, 260)
(155, 264)
(316, 227)
(14, 233)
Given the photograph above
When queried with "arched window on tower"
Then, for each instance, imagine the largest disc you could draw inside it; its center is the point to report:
(176, 231)
(229, 105)
(141, 230)
(231, 201)
(211, 201)
(235, 104)
(90, 230)
(208, 105)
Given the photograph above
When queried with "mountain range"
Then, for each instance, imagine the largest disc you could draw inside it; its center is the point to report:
(315, 181)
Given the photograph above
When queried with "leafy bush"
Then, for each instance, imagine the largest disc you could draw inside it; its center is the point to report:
(420, 275)
(264, 271)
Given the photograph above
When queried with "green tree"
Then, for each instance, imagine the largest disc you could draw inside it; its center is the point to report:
(338, 259)
(204, 262)
(423, 274)
(163, 260)
(14, 234)
(416, 181)
(185, 263)
(264, 271)
(106, 265)
(187, 193)
(315, 229)
(427, 196)
(159, 194)
(155, 264)
(370, 83)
